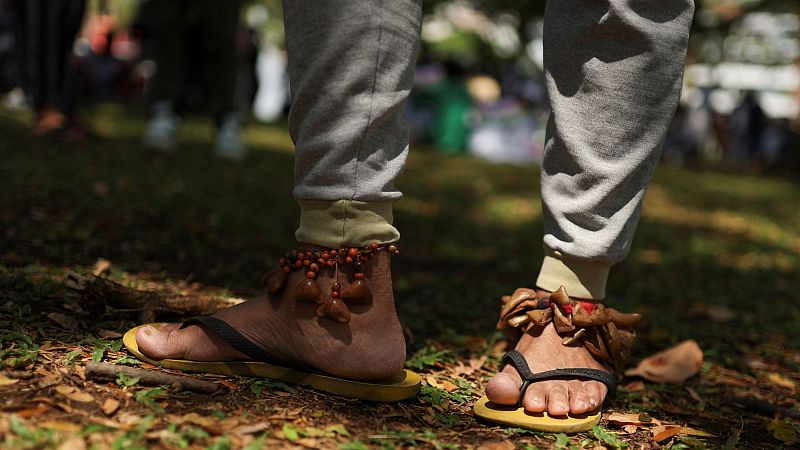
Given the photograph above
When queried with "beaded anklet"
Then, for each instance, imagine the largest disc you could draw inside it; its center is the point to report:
(312, 262)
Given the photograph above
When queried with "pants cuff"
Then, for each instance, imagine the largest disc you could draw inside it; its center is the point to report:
(346, 223)
(581, 279)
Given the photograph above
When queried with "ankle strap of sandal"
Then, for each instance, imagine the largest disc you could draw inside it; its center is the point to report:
(312, 261)
(607, 333)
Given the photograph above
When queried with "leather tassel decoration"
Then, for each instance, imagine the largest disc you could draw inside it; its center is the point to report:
(334, 309)
(338, 311)
(358, 292)
(275, 281)
(309, 291)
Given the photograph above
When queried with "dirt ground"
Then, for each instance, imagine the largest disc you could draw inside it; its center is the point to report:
(716, 260)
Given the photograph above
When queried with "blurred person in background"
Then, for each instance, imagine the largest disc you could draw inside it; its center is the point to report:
(45, 35)
(205, 29)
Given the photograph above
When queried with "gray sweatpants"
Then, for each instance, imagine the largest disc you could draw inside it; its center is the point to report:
(613, 72)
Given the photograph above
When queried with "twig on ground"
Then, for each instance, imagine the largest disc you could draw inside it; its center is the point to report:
(106, 370)
(18, 374)
(98, 292)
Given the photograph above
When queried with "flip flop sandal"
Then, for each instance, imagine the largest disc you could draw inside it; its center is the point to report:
(403, 385)
(517, 416)
(605, 332)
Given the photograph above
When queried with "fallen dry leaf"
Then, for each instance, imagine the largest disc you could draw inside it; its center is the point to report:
(666, 434)
(432, 382)
(32, 412)
(661, 432)
(101, 266)
(4, 380)
(783, 431)
(632, 419)
(251, 429)
(448, 386)
(74, 394)
(73, 443)
(630, 429)
(59, 425)
(501, 445)
(693, 432)
(774, 378)
(110, 406)
(674, 365)
(230, 385)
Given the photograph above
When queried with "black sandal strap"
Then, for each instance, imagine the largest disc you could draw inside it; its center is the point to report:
(528, 377)
(229, 334)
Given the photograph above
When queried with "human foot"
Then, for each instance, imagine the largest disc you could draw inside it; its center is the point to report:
(543, 350)
(369, 347)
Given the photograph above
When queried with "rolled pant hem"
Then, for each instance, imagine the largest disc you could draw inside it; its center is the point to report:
(581, 279)
(344, 223)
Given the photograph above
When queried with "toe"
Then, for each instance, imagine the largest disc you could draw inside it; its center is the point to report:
(503, 389)
(595, 393)
(578, 398)
(161, 343)
(535, 398)
(557, 400)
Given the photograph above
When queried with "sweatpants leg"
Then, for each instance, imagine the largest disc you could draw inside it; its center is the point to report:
(613, 73)
(350, 67)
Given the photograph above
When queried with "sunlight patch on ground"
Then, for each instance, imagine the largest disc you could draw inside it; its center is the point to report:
(510, 210)
(660, 207)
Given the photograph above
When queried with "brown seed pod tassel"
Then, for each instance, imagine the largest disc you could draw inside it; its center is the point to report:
(309, 291)
(275, 281)
(338, 311)
(358, 292)
(324, 308)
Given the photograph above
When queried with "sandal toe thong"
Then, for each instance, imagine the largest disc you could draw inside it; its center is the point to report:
(517, 416)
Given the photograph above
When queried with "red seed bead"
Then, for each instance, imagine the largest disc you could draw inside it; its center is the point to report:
(320, 261)
(374, 245)
(306, 262)
(353, 252)
(348, 260)
(335, 294)
(287, 269)
(325, 255)
(298, 264)
(360, 276)
(329, 263)
(334, 253)
(392, 248)
(300, 255)
(311, 274)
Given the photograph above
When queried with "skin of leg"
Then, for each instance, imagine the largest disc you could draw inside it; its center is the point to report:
(613, 71)
(350, 68)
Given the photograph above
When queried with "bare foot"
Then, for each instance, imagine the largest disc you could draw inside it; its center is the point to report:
(49, 120)
(543, 350)
(370, 347)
